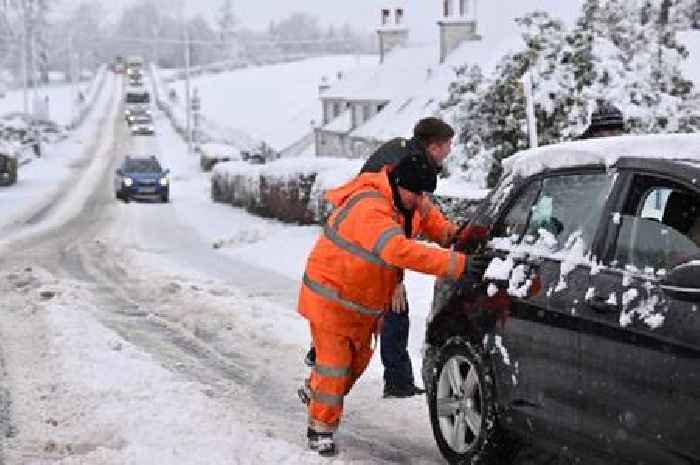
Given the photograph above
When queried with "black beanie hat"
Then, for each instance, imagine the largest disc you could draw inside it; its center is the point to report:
(415, 174)
(607, 116)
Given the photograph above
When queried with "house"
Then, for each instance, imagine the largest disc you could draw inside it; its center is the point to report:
(376, 103)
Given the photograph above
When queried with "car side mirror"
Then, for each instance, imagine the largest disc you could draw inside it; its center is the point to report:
(119, 172)
(683, 282)
(167, 171)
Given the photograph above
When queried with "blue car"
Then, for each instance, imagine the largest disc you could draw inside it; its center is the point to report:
(142, 178)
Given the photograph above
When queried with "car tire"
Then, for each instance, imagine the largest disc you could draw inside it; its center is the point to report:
(462, 406)
(165, 198)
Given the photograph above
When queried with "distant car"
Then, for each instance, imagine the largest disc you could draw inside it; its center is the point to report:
(136, 100)
(584, 336)
(142, 178)
(141, 124)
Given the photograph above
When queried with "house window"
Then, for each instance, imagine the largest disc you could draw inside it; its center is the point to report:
(462, 8)
(336, 109)
(446, 8)
(366, 112)
(380, 107)
(386, 14)
(399, 16)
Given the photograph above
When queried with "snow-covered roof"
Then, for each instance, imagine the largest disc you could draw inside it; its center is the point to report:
(604, 151)
(414, 82)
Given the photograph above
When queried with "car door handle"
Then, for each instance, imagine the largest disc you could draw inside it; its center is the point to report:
(602, 305)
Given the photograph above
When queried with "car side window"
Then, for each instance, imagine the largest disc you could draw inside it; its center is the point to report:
(568, 210)
(514, 223)
(659, 226)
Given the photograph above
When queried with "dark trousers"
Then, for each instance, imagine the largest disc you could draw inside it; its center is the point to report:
(394, 342)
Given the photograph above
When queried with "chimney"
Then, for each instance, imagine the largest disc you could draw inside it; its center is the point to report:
(458, 25)
(392, 31)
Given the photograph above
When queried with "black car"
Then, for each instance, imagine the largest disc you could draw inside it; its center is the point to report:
(142, 178)
(8, 168)
(583, 339)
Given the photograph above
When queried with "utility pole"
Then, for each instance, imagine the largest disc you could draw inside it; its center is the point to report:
(188, 103)
(25, 93)
(73, 76)
(155, 44)
(196, 110)
(530, 109)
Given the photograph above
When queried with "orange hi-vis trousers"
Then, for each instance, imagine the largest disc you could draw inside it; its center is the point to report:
(340, 361)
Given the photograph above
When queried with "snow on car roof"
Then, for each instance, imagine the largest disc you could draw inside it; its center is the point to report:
(604, 151)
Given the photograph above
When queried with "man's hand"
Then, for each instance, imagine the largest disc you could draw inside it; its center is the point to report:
(399, 302)
(472, 234)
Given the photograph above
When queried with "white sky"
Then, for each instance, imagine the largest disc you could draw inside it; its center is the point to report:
(495, 16)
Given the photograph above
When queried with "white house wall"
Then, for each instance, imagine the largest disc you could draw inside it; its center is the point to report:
(331, 144)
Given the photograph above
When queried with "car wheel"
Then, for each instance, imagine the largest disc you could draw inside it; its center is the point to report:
(165, 198)
(461, 404)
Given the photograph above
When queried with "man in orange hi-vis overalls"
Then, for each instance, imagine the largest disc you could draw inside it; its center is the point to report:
(353, 270)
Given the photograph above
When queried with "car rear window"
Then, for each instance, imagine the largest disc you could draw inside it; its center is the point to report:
(141, 166)
(138, 97)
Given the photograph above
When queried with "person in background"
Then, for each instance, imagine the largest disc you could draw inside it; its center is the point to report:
(606, 121)
(432, 140)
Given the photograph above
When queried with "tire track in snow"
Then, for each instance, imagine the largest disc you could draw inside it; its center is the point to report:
(6, 428)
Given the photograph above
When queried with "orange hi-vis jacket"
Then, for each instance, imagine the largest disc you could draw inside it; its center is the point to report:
(358, 261)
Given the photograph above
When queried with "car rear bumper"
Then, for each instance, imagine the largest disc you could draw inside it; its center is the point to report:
(145, 192)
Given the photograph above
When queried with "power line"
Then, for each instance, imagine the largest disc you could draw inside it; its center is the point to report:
(147, 40)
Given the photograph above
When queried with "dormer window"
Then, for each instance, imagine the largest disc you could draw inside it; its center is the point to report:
(399, 16)
(386, 15)
(446, 8)
(462, 8)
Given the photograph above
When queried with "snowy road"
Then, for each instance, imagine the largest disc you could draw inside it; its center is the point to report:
(127, 338)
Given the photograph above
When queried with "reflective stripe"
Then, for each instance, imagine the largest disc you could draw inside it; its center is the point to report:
(331, 232)
(354, 249)
(328, 399)
(452, 265)
(321, 427)
(345, 210)
(384, 238)
(332, 372)
(332, 294)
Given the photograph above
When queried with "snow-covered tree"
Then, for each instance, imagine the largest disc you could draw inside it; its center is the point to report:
(227, 24)
(622, 51)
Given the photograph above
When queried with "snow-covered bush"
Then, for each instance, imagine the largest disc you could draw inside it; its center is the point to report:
(284, 189)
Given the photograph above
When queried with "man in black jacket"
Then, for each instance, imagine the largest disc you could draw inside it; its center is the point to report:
(432, 139)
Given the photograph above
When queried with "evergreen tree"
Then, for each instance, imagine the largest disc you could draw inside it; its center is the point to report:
(621, 51)
(227, 31)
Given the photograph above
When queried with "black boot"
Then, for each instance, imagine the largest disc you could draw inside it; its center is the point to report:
(310, 359)
(409, 390)
(323, 443)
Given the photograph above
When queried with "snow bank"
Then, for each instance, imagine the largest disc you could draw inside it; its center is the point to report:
(209, 131)
(275, 103)
(90, 98)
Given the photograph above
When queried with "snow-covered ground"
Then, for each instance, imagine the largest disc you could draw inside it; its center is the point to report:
(128, 338)
(62, 110)
(274, 103)
(44, 180)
